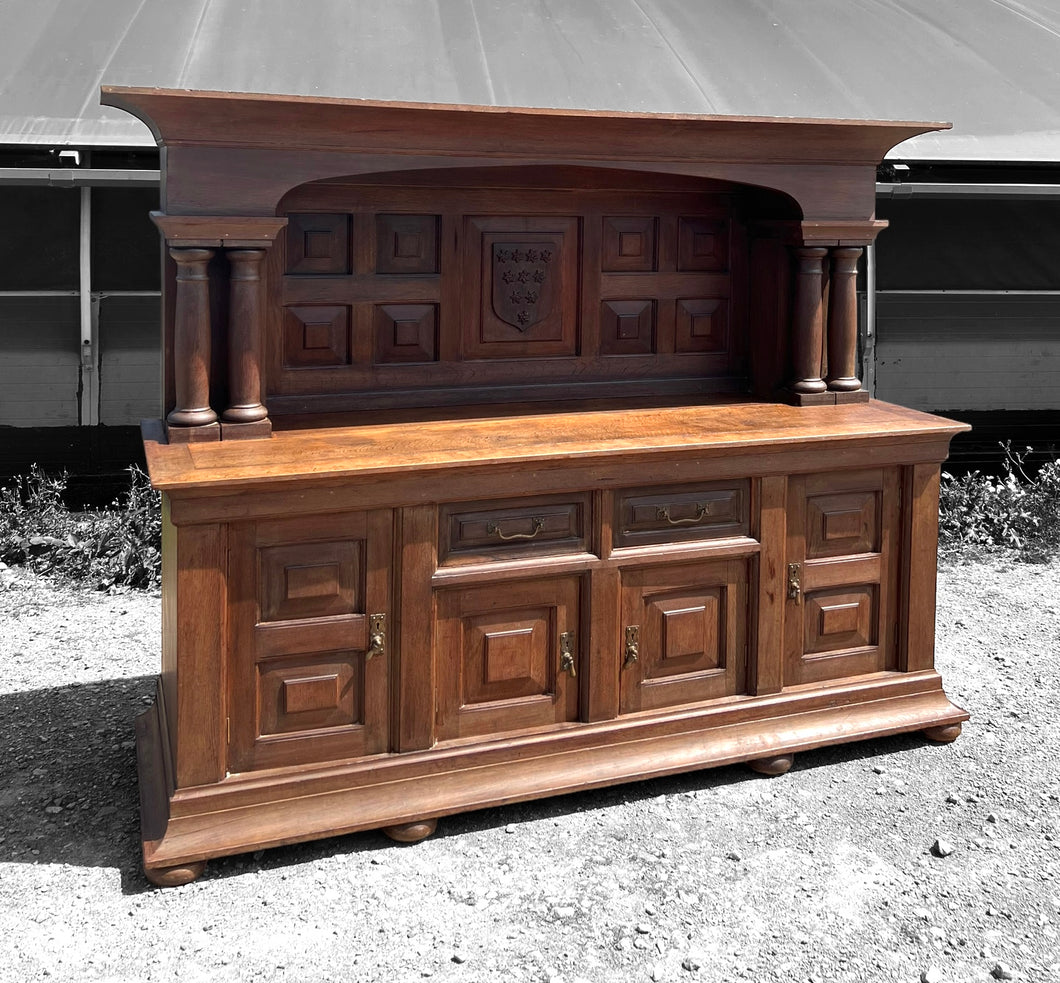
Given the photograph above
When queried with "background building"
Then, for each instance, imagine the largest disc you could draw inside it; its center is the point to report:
(961, 296)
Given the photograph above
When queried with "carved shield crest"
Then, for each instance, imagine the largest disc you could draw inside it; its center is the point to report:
(522, 282)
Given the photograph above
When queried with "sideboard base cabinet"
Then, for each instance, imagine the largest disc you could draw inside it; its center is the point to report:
(425, 618)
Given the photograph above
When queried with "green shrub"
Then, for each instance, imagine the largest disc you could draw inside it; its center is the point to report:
(121, 544)
(1015, 512)
(117, 545)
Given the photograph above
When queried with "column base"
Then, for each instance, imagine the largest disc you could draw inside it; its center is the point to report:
(193, 435)
(246, 431)
(811, 399)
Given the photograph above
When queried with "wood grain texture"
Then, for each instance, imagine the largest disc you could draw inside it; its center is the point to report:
(765, 658)
(632, 438)
(199, 751)
(416, 675)
(920, 552)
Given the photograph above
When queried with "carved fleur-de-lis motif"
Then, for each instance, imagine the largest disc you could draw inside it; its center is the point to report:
(539, 276)
(523, 317)
(508, 276)
(523, 276)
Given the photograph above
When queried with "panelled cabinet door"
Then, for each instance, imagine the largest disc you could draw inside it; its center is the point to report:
(684, 634)
(841, 576)
(308, 673)
(508, 656)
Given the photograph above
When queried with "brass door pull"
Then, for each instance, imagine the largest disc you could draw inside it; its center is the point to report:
(566, 654)
(537, 522)
(632, 652)
(376, 636)
(794, 582)
(663, 512)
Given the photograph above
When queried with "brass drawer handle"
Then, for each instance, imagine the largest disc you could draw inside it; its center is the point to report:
(663, 512)
(566, 654)
(538, 524)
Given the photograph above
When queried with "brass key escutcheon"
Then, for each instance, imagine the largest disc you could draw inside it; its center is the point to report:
(794, 582)
(376, 636)
(632, 645)
(566, 654)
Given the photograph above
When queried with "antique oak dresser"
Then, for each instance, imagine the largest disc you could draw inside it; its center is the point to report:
(514, 452)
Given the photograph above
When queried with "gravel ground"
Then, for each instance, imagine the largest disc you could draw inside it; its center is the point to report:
(826, 873)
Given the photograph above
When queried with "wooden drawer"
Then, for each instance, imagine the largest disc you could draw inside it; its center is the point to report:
(509, 530)
(682, 513)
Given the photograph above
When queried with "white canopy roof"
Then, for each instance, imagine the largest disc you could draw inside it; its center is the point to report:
(990, 66)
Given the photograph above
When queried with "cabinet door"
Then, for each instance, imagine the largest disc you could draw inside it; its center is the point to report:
(507, 656)
(688, 623)
(304, 685)
(842, 560)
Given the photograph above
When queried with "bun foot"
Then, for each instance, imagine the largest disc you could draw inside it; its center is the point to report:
(175, 876)
(943, 735)
(411, 832)
(776, 765)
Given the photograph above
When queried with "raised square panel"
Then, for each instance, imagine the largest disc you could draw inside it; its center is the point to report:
(690, 628)
(628, 244)
(627, 327)
(506, 656)
(501, 643)
(314, 693)
(406, 244)
(310, 693)
(702, 325)
(524, 273)
(305, 583)
(318, 245)
(702, 245)
(311, 580)
(842, 524)
(406, 333)
(314, 336)
(838, 618)
(691, 620)
(841, 619)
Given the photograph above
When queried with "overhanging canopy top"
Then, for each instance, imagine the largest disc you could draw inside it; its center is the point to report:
(239, 153)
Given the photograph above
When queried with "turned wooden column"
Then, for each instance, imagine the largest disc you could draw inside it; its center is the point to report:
(246, 317)
(191, 341)
(808, 323)
(843, 321)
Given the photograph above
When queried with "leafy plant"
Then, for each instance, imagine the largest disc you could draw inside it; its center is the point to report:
(117, 545)
(1015, 512)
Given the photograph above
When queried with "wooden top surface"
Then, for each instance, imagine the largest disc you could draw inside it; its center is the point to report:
(633, 435)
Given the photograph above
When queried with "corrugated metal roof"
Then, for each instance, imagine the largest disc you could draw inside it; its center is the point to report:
(991, 66)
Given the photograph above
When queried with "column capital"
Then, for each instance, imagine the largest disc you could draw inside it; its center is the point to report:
(217, 231)
(841, 232)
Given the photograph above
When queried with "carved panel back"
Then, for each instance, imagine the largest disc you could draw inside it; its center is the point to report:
(411, 295)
